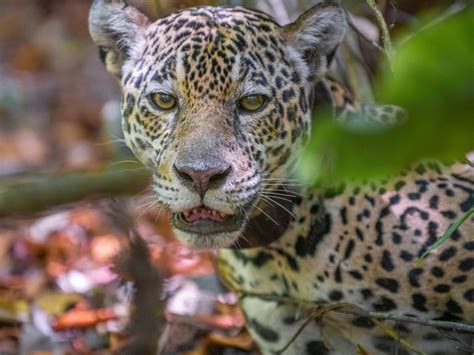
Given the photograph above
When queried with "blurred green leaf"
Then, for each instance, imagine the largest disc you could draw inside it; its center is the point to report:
(433, 80)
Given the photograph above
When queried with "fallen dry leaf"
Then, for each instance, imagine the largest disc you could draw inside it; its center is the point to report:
(82, 318)
(104, 248)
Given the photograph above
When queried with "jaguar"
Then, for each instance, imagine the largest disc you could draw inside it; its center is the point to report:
(219, 102)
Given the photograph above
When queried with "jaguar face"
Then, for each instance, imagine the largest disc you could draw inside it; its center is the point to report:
(216, 103)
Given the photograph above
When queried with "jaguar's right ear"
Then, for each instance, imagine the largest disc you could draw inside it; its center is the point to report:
(116, 28)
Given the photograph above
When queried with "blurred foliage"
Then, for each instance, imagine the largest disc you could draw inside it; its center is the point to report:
(433, 81)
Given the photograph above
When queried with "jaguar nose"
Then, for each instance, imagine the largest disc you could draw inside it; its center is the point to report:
(202, 180)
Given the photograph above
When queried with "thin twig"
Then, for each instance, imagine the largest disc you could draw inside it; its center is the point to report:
(357, 311)
(431, 323)
(362, 34)
(385, 32)
(314, 315)
(395, 335)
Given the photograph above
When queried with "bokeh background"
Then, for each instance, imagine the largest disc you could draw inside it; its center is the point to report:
(59, 290)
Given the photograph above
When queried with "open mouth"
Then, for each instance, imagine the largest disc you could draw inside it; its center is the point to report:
(205, 221)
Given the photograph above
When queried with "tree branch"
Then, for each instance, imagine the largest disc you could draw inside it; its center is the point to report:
(147, 307)
(37, 193)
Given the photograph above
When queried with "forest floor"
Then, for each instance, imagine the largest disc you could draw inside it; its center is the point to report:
(59, 289)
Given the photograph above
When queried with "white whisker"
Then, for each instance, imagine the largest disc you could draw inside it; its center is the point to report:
(266, 214)
(286, 193)
(278, 204)
(268, 196)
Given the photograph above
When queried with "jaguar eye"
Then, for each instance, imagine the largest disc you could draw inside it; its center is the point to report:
(163, 101)
(252, 103)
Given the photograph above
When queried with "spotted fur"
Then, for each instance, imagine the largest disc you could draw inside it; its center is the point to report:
(361, 247)
(358, 244)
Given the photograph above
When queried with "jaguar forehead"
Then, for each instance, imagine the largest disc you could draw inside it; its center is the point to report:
(212, 73)
(204, 46)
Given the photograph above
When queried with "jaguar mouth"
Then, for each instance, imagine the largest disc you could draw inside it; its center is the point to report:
(203, 220)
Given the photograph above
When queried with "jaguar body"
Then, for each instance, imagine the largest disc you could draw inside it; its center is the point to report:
(218, 102)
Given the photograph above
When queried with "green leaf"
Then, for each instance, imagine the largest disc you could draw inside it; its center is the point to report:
(449, 232)
(433, 81)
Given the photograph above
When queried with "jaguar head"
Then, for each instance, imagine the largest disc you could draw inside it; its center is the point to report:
(216, 101)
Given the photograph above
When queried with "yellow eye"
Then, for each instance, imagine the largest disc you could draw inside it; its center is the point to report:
(164, 101)
(252, 103)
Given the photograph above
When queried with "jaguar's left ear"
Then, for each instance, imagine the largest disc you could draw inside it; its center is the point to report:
(316, 35)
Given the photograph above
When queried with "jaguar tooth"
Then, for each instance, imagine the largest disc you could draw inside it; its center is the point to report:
(222, 215)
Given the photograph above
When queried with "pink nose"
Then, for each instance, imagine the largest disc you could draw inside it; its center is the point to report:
(202, 180)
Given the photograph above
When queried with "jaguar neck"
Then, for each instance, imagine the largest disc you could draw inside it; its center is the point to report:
(271, 218)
